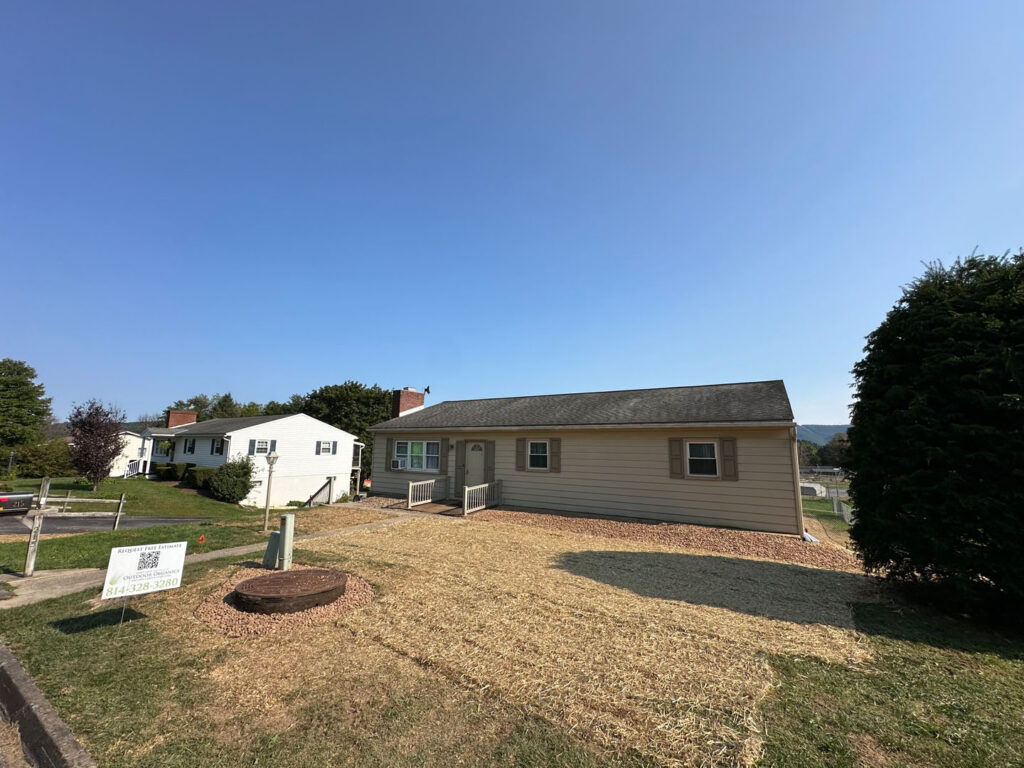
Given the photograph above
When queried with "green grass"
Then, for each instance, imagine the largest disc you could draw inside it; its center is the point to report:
(821, 510)
(131, 694)
(937, 693)
(92, 550)
(143, 497)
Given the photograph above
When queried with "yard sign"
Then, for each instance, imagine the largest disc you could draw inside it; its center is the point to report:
(142, 569)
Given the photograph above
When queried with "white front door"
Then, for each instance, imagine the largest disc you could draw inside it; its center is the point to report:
(474, 464)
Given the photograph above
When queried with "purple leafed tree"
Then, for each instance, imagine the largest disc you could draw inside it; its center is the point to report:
(95, 439)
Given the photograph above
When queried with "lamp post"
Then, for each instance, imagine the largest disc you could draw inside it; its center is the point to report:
(271, 461)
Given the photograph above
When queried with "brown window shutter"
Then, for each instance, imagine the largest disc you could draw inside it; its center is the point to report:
(520, 454)
(442, 461)
(554, 454)
(390, 454)
(460, 467)
(488, 461)
(675, 457)
(730, 470)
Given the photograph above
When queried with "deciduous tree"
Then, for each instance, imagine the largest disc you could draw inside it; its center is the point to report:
(95, 441)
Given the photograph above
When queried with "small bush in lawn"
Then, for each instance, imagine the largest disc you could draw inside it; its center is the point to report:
(157, 467)
(232, 481)
(169, 473)
(296, 503)
(199, 477)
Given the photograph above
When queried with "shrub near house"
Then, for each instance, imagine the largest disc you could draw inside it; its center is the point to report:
(232, 481)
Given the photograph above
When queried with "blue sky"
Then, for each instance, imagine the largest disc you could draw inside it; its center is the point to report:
(489, 198)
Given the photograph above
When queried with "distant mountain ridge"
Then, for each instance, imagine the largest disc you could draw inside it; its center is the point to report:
(819, 434)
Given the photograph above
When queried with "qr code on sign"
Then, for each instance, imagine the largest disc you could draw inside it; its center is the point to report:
(148, 560)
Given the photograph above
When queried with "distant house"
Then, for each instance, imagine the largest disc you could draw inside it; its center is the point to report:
(131, 460)
(721, 455)
(310, 452)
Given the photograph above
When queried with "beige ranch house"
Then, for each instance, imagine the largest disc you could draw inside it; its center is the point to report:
(722, 455)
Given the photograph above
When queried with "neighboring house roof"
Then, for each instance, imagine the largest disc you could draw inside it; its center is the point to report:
(215, 427)
(63, 429)
(749, 402)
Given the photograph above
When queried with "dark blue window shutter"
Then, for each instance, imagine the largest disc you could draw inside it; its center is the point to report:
(252, 447)
(273, 445)
(334, 447)
(317, 447)
(213, 446)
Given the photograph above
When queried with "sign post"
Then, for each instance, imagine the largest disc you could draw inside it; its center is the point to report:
(33, 544)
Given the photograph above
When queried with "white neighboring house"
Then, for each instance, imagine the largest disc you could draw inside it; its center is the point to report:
(130, 461)
(309, 451)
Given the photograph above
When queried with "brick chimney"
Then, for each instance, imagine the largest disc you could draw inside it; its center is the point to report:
(177, 418)
(404, 400)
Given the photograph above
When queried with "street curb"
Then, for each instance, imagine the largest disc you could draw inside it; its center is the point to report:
(46, 741)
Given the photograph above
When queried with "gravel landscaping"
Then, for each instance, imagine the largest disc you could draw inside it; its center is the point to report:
(382, 502)
(726, 541)
(219, 612)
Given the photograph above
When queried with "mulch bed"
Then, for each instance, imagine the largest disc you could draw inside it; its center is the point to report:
(727, 541)
(382, 502)
(219, 612)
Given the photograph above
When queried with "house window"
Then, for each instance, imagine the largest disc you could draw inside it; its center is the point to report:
(262, 446)
(325, 447)
(701, 460)
(190, 446)
(538, 455)
(217, 446)
(418, 455)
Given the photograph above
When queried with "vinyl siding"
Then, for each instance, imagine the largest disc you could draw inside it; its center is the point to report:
(202, 457)
(133, 448)
(626, 472)
(299, 471)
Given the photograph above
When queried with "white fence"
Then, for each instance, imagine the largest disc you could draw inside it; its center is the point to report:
(477, 497)
(426, 491)
(133, 468)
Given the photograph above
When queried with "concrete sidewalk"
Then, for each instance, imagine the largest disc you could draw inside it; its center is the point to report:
(44, 585)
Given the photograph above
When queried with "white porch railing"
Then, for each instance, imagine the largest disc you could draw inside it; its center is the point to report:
(426, 491)
(477, 497)
(133, 468)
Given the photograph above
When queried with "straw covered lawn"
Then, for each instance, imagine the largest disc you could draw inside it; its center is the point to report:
(632, 646)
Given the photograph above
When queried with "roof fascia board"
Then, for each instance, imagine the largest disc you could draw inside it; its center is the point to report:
(668, 425)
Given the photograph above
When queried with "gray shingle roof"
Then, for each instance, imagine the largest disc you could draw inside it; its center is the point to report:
(216, 427)
(717, 403)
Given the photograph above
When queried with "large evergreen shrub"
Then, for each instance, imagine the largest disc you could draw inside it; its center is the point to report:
(48, 459)
(232, 481)
(199, 477)
(937, 441)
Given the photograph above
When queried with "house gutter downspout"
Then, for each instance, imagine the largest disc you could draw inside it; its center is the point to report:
(797, 499)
